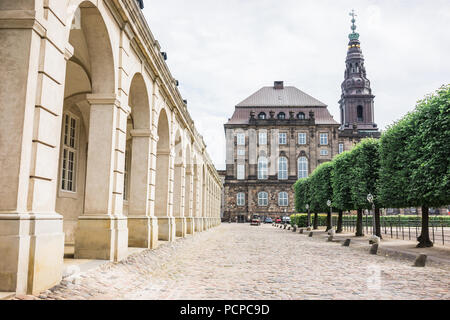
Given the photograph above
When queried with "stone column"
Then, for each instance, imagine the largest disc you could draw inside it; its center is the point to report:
(102, 231)
(178, 201)
(190, 228)
(32, 70)
(142, 225)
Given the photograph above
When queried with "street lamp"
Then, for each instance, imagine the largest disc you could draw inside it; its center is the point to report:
(308, 222)
(331, 213)
(370, 198)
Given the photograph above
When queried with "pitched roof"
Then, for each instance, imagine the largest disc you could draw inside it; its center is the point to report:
(286, 97)
(322, 115)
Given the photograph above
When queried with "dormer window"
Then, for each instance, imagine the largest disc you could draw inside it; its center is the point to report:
(301, 116)
(281, 116)
(262, 116)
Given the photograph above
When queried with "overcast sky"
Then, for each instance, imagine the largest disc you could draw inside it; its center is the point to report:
(223, 51)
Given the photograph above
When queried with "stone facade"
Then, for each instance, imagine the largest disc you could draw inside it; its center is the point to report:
(289, 129)
(97, 147)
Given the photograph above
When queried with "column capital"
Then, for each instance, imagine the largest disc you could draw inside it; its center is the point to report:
(103, 99)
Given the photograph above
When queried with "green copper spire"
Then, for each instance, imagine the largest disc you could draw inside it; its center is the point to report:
(354, 35)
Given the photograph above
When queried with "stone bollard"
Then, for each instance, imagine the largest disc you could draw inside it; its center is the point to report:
(330, 238)
(294, 229)
(289, 228)
(374, 248)
(285, 226)
(347, 243)
(308, 229)
(301, 231)
(374, 240)
(420, 261)
(310, 234)
(331, 232)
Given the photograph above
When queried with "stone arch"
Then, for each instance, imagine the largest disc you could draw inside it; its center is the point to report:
(92, 45)
(162, 166)
(137, 164)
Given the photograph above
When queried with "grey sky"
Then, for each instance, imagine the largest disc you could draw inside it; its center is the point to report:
(223, 51)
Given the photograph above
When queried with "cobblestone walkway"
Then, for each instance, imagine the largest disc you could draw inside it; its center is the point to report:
(245, 262)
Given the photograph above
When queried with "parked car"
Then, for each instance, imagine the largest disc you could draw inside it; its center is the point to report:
(286, 220)
(256, 220)
(277, 220)
(268, 220)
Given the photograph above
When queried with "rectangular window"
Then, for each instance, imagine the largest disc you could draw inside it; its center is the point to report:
(283, 138)
(302, 138)
(263, 199)
(324, 152)
(240, 199)
(241, 172)
(262, 138)
(283, 200)
(69, 153)
(241, 139)
(341, 148)
(324, 139)
(241, 152)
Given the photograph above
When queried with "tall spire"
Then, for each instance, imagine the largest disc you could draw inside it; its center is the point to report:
(357, 100)
(354, 35)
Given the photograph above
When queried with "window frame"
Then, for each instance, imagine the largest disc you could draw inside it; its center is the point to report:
(282, 134)
(75, 149)
(240, 139)
(265, 199)
(324, 152)
(305, 170)
(264, 169)
(285, 175)
(323, 136)
(341, 148)
(285, 199)
(242, 171)
(240, 196)
(262, 134)
(304, 135)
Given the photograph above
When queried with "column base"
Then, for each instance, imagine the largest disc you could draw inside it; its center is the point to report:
(190, 226)
(142, 232)
(199, 226)
(31, 251)
(181, 227)
(166, 228)
(101, 238)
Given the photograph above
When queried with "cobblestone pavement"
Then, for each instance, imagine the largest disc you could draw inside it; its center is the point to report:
(248, 262)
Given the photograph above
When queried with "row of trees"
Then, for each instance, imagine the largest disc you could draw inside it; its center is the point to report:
(409, 166)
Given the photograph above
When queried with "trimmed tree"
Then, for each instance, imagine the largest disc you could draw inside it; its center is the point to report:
(340, 182)
(302, 197)
(321, 184)
(365, 173)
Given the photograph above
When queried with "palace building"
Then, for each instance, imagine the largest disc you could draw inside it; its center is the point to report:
(281, 134)
(98, 151)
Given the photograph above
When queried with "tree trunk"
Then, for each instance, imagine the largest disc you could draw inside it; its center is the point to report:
(316, 221)
(377, 223)
(308, 219)
(339, 222)
(424, 238)
(328, 221)
(359, 224)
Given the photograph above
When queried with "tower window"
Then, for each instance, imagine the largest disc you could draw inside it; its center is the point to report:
(359, 112)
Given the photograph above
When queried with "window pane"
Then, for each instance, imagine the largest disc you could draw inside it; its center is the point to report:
(302, 167)
(282, 169)
(302, 138)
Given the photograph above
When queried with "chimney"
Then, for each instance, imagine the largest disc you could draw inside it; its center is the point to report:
(278, 85)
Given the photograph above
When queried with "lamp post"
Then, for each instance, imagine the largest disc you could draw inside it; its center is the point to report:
(370, 198)
(331, 213)
(308, 218)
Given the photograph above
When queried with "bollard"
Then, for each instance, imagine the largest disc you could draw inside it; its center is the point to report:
(308, 229)
(294, 228)
(310, 234)
(420, 261)
(374, 240)
(347, 243)
(301, 231)
(284, 227)
(374, 248)
(330, 238)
